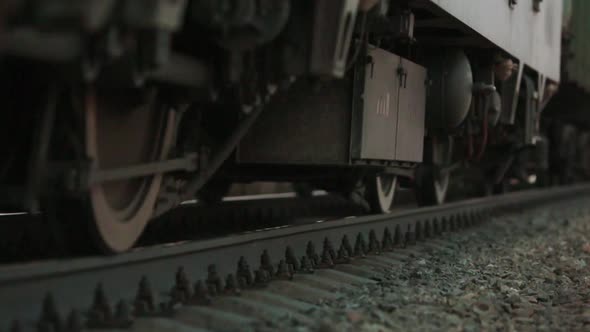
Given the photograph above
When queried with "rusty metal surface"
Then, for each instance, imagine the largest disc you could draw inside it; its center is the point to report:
(532, 36)
(308, 125)
(152, 283)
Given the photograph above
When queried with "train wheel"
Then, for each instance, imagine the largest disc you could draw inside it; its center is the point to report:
(373, 192)
(123, 131)
(432, 181)
(380, 192)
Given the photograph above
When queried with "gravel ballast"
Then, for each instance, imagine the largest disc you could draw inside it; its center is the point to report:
(523, 271)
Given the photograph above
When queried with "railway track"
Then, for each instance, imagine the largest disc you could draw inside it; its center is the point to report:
(249, 281)
(190, 221)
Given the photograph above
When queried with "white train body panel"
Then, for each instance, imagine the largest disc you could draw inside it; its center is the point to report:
(534, 37)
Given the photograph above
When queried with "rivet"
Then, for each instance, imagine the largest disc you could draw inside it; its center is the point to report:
(244, 274)
(374, 245)
(181, 292)
(312, 255)
(343, 256)
(101, 312)
(326, 261)
(231, 285)
(346, 245)
(306, 265)
(360, 248)
(329, 248)
(144, 300)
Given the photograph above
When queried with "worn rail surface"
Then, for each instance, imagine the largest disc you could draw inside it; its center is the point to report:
(192, 286)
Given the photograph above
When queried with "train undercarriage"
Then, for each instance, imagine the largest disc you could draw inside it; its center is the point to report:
(117, 111)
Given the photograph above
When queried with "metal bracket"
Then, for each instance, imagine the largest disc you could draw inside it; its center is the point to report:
(402, 73)
(542, 83)
(404, 23)
(531, 109)
(189, 163)
(516, 92)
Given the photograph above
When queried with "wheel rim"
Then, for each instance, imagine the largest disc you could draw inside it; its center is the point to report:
(441, 186)
(117, 135)
(442, 156)
(385, 185)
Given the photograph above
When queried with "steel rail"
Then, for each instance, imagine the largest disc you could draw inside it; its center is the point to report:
(50, 291)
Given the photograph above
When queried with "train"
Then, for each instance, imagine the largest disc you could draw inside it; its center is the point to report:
(116, 111)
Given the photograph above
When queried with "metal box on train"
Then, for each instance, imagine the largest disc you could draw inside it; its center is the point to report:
(377, 117)
(392, 122)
